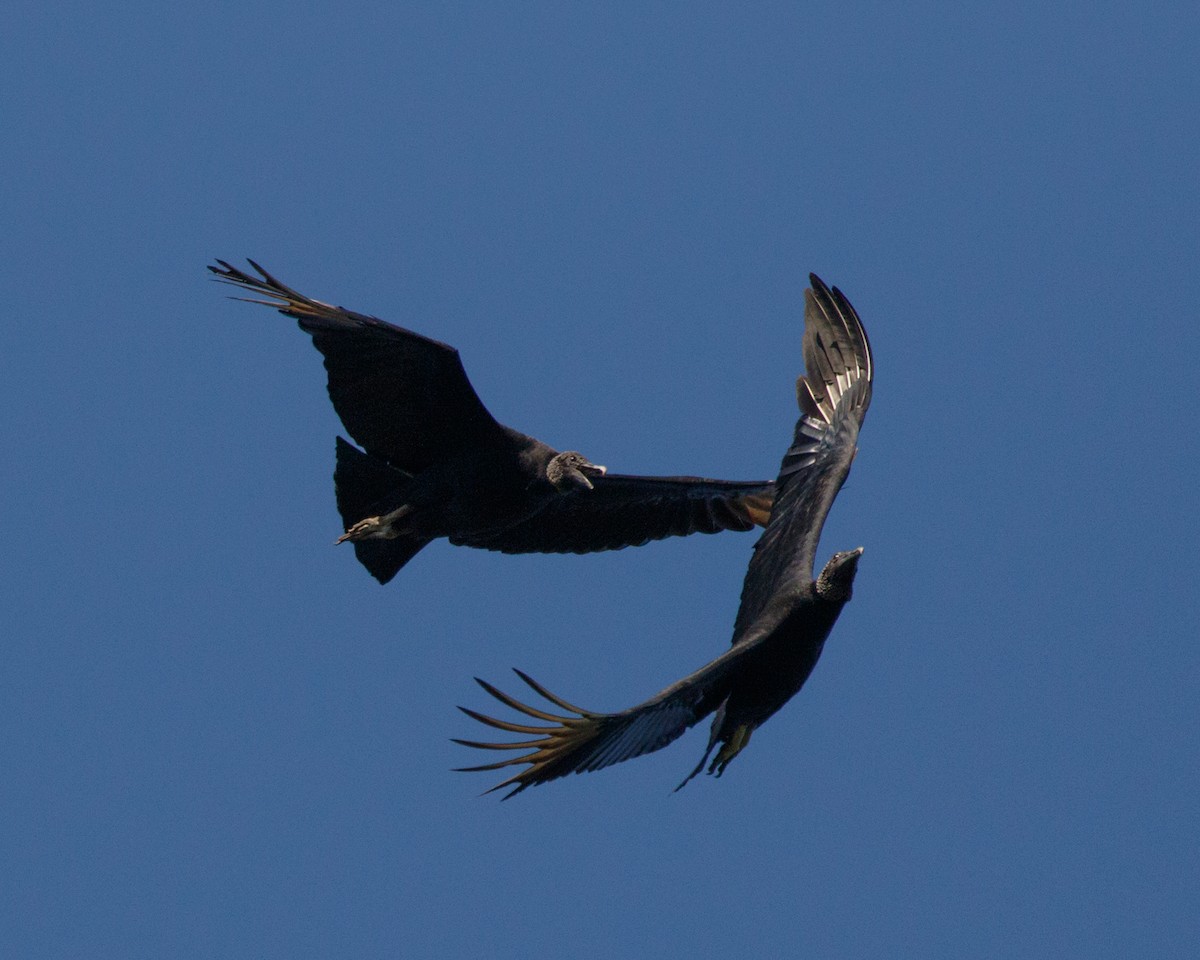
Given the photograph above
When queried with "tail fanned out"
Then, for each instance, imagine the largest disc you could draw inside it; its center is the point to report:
(367, 486)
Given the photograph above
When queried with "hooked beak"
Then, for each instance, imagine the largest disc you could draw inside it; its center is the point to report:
(590, 468)
(581, 475)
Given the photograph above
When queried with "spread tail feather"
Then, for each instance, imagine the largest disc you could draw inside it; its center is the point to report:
(367, 486)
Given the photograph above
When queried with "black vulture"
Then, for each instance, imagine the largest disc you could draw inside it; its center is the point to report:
(785, 615)
(434, 462)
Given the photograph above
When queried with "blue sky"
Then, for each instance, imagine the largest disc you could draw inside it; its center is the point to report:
(221, 738)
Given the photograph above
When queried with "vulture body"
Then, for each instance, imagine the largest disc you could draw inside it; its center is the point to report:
(785, 615)
(435, 463)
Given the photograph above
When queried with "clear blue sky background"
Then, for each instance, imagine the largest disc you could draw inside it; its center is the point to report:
(220, 738)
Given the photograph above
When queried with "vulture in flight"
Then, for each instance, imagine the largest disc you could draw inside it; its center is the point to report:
(434, 463)
(784, 617)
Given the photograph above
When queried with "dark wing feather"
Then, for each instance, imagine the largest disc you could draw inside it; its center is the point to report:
(623, 511)
(403, 397)
(834, 395)
(586, 741)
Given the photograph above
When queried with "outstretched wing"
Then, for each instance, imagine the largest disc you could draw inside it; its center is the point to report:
(624, 511)
(834, 395)
(586, 741)
(403, 397)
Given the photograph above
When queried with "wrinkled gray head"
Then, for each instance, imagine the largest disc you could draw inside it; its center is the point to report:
(569, 471)
(836, 582)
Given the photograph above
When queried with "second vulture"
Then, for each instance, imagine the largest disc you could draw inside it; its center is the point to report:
(434, 463)
(785, 615)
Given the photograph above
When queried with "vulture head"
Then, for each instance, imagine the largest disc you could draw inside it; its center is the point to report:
(570, 470)
(836, 582)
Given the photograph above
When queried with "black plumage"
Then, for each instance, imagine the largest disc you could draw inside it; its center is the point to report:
(785, 615)
(434, 462)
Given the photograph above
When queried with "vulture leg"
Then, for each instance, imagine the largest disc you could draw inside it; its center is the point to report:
(378, 528)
